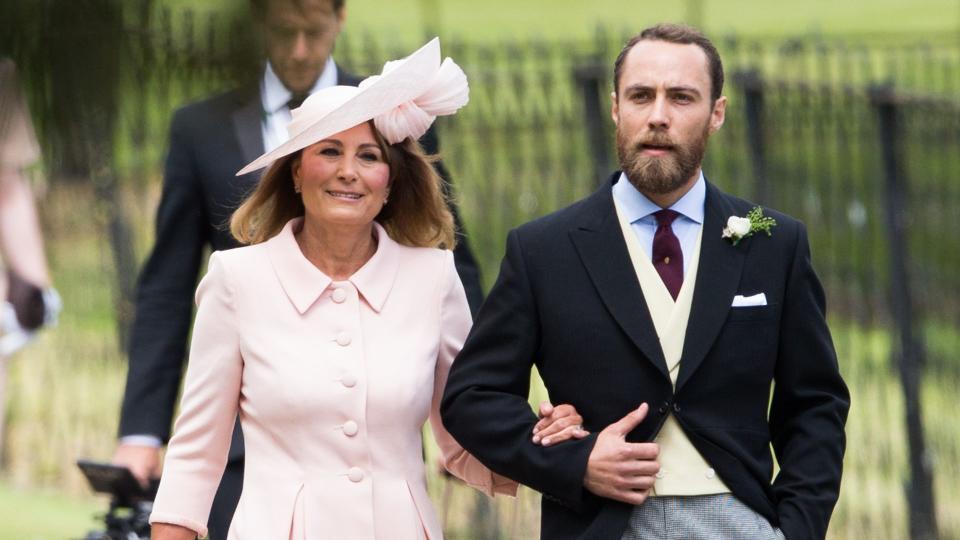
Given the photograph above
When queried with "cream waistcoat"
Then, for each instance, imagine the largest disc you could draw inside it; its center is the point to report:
(683, 471)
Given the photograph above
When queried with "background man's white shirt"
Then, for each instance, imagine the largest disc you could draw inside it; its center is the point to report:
(274, 97)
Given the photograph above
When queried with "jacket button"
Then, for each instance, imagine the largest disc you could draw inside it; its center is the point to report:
(664, 408)
(349, 380)
(350, 428)
(343, 339)
(339, 295)
(355, 474)
(676, 407)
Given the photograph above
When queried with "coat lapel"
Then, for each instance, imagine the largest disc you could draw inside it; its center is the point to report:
(247, 120)
(347, 79)
(718, 277)
(599, 242)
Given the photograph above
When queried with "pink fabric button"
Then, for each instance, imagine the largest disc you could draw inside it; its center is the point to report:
(343, 339)
(350, 428)
(355, 474)
(339, 295)
(349, 380)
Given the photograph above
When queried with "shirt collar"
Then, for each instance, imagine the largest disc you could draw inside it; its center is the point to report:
(274, 95)
(636, 206)
(304, 283)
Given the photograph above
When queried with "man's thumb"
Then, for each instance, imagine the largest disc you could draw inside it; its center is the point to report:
(630, 421)
(546, 409)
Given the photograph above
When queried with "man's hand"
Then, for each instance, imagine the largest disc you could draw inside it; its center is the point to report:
(143, 461)
(558, 424)
(620, 470)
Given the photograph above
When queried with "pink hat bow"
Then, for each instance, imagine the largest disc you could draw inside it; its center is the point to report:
(447, 92)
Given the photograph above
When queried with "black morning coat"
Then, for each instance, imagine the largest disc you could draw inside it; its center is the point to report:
(568, 301)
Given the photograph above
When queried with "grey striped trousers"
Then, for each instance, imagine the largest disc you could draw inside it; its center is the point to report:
(700, 517)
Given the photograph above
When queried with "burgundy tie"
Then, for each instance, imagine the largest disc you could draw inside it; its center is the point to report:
(667, 256)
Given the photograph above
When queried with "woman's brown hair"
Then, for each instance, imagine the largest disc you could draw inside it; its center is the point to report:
(416, 215)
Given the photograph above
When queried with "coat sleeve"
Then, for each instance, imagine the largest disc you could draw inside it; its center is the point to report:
(485, 405)
(18, 141)
(164, 303)
(809, 406)
(197, 452)
(455, 321)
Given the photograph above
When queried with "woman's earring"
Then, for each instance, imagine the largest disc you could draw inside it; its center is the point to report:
(296, 188)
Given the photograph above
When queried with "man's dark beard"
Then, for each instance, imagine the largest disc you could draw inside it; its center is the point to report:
(664, 174)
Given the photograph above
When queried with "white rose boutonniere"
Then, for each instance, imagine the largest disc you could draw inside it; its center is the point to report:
(739, 228)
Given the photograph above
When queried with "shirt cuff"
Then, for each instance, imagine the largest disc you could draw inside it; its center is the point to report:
(142, 440)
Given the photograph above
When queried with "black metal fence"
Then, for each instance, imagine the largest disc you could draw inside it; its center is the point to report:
(858, 140)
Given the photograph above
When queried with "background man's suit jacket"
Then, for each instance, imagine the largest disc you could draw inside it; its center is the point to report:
(568, 300)
(209, 142)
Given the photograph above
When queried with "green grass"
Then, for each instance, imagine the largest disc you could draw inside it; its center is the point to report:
(45, 515)
(498, 19)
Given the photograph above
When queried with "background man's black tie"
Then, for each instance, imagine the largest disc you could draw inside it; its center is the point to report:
(296, 100)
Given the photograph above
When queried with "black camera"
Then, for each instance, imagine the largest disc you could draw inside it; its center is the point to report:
(130, 502)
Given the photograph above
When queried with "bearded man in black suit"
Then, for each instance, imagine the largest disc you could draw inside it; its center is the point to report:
(659, 290)
(209, 142)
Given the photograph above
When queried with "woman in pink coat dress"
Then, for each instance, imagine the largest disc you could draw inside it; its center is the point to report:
(332, 333)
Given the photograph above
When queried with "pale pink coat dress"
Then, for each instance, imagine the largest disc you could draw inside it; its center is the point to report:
(333, 381)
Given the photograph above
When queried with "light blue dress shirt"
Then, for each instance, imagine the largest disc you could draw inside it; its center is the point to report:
(639, 210)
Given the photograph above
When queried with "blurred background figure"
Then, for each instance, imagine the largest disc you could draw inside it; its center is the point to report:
(29, 301)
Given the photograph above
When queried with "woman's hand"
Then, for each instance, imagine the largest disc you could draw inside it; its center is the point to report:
(558, 424)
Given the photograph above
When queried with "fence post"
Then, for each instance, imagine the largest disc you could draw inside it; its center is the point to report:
(589, 79)
(923, 522)
(751, 83)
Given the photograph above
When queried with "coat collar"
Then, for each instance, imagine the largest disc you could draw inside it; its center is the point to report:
(246, 119)
(304, 283)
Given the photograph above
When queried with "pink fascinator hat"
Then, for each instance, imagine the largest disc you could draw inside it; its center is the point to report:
(403, 101)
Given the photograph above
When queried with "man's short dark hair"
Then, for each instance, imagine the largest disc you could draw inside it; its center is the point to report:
(683, 35)
(260, 6)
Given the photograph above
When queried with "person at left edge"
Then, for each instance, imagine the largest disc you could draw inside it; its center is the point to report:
(332, 332)
(28, 300)
(209, 142)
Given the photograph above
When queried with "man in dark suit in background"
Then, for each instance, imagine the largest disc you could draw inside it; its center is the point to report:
(209, 142)
(648, 292)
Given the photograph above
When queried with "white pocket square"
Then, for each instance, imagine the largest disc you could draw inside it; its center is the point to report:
(758, 299)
